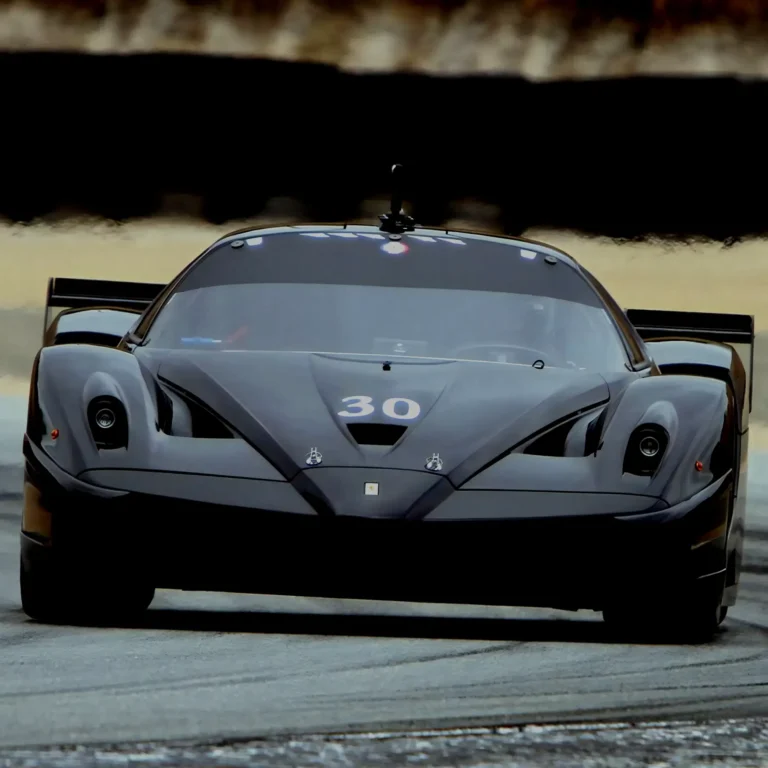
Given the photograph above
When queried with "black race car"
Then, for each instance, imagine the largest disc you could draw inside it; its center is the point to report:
(390, 413)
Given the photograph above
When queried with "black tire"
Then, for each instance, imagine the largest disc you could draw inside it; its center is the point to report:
(694, 622)
(693, 618)
(52, 594)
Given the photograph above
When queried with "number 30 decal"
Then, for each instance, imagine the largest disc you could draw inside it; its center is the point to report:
(394, 407)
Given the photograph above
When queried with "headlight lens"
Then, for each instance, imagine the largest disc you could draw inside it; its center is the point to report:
(649, 446)
(645, 449)
(105, 418)
(108, 422)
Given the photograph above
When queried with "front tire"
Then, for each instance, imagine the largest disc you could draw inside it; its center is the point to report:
(695, 622)
(55, 594)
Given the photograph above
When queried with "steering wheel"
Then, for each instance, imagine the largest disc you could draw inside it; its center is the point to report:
(537, 354)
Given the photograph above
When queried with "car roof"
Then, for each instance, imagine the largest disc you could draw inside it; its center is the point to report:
(362, 229)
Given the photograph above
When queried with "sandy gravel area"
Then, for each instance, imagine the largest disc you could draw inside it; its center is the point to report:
(526, 37)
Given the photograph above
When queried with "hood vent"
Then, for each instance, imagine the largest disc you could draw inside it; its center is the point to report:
(193, 419)
(376, 434)
(552, 442)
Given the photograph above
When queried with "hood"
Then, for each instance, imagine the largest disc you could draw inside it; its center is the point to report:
(357, 412)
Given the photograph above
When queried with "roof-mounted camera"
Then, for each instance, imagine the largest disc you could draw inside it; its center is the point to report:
(397, 221)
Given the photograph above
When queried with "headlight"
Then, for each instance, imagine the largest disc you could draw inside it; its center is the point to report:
(645, 449)
(649, 446)
(105, 418)
(108, 422)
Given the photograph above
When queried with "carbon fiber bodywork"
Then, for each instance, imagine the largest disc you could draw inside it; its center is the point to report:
(531, 502)
(233, 534)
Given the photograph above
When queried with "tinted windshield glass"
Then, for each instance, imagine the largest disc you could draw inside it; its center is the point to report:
(470, 300)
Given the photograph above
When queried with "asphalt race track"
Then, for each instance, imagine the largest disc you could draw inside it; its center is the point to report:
(208, 667)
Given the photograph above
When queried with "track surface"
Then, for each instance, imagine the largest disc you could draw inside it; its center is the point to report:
(207, 666)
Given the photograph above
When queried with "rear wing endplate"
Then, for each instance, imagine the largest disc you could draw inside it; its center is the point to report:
(77, 293)
(736, 330)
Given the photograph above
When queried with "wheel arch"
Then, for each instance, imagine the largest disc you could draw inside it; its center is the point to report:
(714, 345)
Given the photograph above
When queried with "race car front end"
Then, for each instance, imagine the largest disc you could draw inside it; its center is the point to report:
(126, 529)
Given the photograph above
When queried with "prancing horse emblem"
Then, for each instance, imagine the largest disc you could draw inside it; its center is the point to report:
(314, 457)
(434, 462)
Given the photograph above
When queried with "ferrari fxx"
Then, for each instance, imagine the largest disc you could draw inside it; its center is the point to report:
(385, 412)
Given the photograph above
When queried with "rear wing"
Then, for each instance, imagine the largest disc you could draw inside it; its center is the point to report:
(736, 330)
(76, 293)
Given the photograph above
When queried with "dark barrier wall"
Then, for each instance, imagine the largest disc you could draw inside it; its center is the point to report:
(619, 157)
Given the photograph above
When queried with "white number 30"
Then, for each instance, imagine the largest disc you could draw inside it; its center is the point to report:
(360, 405)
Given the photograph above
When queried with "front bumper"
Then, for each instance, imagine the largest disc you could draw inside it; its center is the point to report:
(566, 561)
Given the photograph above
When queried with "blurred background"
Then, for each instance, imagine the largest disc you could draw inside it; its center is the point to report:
(619, 118)
(629, 132)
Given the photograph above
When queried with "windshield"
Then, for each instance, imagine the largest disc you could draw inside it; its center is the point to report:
(246, 300)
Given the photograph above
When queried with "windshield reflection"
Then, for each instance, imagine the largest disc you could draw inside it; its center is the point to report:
(482, 326)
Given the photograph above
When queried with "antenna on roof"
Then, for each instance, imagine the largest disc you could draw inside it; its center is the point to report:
(396, 221)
